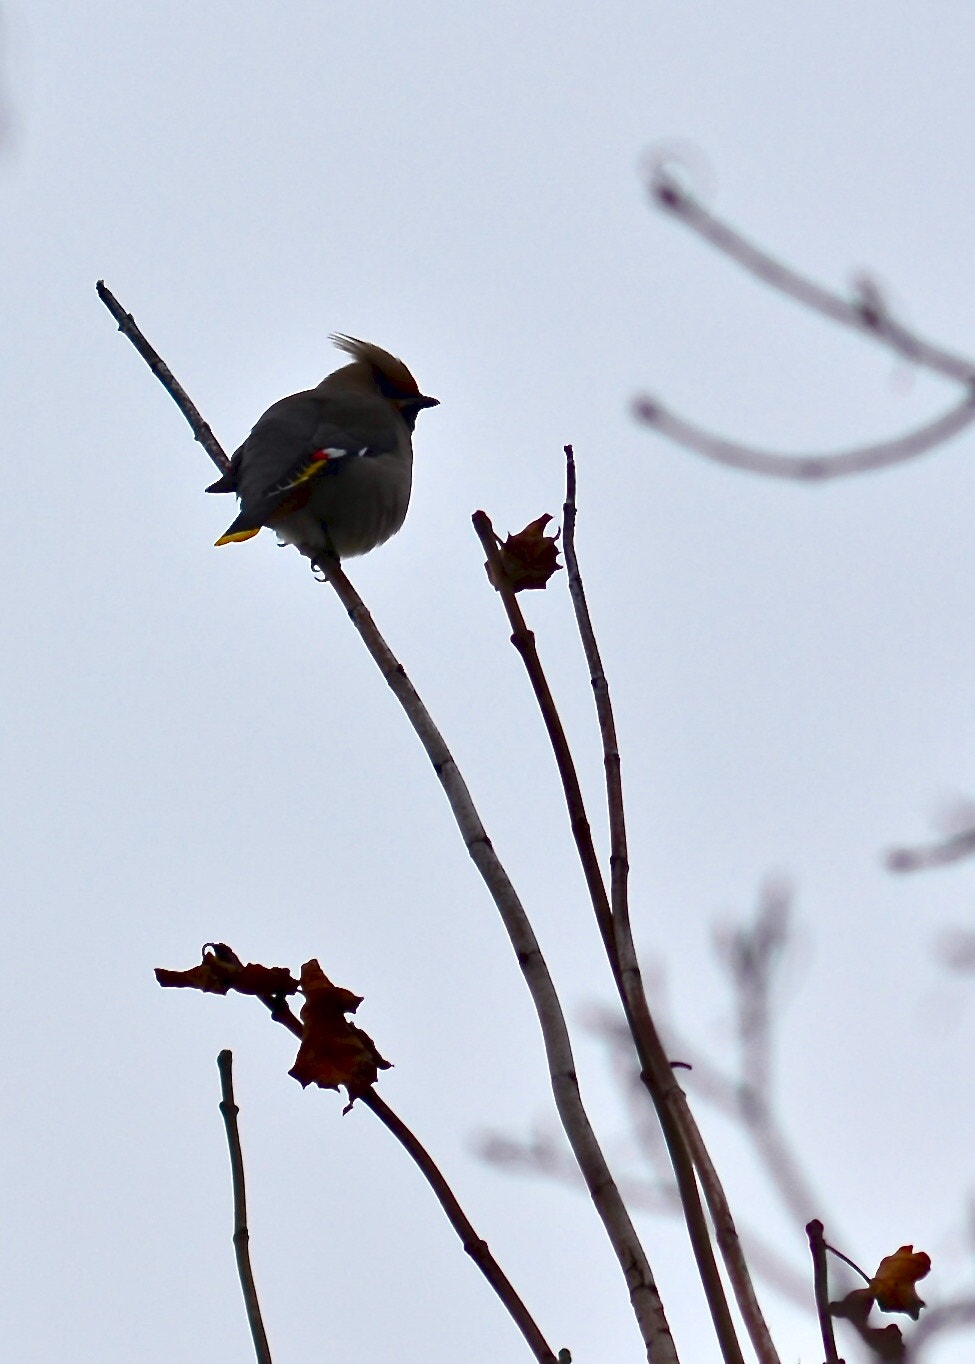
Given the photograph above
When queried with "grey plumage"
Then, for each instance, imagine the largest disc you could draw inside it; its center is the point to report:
(331, 467)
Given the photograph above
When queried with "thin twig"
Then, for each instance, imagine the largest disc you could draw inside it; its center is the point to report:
(811, 468)
(656, 1070)
(472, 1243)
(475, 1247)
(706, 1081)
(644, 1297)
(673, 1095)
(127, 326)
(229, 1109)
(817, 1248)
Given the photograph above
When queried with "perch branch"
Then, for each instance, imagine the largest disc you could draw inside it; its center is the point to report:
(644, 1297)
(565, 1086)
(127, 326)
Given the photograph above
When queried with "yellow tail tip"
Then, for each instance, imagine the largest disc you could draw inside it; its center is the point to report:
(238, 537)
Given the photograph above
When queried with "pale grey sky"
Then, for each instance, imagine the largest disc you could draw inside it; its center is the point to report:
(196, 746)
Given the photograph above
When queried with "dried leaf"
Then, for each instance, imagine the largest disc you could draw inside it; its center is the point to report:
(529, 558)
(893, 1283)
(333, 1051)
(221, 970)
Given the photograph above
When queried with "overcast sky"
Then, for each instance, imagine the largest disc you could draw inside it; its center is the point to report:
(197, 747)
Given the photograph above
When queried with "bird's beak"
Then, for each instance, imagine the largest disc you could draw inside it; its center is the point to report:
(425, 402)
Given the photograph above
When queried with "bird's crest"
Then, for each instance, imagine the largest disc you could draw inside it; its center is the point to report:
(388, 366)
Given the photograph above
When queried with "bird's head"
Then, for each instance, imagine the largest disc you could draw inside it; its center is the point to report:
(379, 369)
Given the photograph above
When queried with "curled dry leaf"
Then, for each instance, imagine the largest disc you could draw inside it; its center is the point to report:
(333, 1051)
(529, 558)
(221, 970)
(893, 1283)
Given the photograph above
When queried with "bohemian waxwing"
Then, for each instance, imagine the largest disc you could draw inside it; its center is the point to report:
(331, 468)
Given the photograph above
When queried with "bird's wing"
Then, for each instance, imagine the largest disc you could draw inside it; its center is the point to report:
(297, 441)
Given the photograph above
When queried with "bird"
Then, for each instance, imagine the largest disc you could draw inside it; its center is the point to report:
(330, 469)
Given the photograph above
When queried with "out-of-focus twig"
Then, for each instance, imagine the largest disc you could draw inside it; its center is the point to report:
(229, 1110)
(926, 855)
(807, 468)
(866, 312)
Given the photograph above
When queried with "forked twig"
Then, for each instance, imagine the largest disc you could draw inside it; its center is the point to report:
(644, 1297)
(866, 313)
(229, 1109)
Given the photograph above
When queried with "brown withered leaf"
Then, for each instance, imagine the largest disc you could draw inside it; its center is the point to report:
(529, 558)
(333, 1051)
(221, 970)
(893, 1283)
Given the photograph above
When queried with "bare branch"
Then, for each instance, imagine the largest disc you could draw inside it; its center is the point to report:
(644, 1297)
(817, 1248)
(866, 313)
(229, 1109)
(478, 1250)
(127, 326)
(812, 468)
(565, 1086)
(668, 1096)
(656, 1071)
(472, 1243)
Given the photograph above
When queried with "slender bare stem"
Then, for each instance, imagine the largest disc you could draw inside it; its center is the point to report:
(565, 1086)
(644, 1297)
(127, 326)
(477, 1249)
(817, 1247)
(656, 1070)
(472, 1243)
(718, 1206)
(229, 1109)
